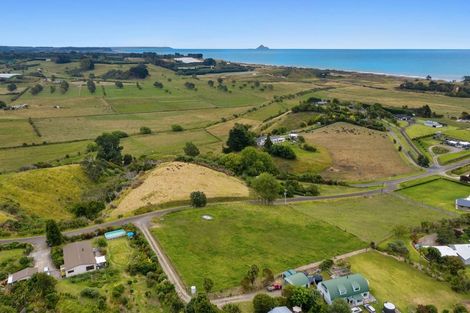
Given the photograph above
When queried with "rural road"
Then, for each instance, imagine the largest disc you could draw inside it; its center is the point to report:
(42, 258)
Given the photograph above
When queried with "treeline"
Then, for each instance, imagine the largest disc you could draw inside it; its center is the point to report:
(448, 88)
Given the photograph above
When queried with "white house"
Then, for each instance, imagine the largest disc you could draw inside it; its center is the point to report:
(79, 258)
(21, 275)
(459, 250)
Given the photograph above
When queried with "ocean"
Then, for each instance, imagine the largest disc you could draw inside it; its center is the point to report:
(440, 64)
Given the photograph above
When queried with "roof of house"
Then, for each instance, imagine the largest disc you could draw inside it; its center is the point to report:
(463, 202)
(78, 253)
(463, 251)
(289, 273)
(100, 259)
(343, 287)
(280, 309)
(24, 273)
(446, 251)
(297, 279)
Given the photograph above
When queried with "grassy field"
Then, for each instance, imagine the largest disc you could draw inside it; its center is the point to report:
(45, 193)
(420, 130)
(453, 157)
(306, 161)
(358, 153)
(15, 158)
(240, 235)
(401, 284)
(440, 193)
(119, 255)
(369, 218)
(174, 182)
(9, 262)
(17, 132)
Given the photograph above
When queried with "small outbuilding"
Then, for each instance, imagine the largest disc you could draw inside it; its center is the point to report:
(24, 274)
(115, 234)
(298, 280)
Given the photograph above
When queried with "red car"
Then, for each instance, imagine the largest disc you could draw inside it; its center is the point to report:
(274, 287)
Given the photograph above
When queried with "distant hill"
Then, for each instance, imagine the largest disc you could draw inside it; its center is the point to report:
(261, 47)
(54, 49)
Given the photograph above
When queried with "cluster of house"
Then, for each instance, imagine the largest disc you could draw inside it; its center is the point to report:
(459, 250)
(260, 141)
(457, 143)
(79, 257)
(353, 288)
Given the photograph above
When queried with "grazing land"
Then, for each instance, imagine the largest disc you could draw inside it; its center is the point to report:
(174, 181)
(240, 235)
(440, 193)
(398, 282)
(358, 153)
(306, 161)
(369, 218)
(45, 193)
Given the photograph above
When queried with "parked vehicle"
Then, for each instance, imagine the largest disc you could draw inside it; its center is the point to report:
(274, 287)
(369, 308)
(356, 310)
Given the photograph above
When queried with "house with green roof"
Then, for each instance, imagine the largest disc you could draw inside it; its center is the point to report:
(352, 288)
(298, 280)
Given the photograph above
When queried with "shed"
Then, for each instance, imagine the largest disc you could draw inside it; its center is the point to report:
(21, 275)
(115, 234)
(298, 280)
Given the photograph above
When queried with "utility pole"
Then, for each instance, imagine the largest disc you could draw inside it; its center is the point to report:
(285, 196)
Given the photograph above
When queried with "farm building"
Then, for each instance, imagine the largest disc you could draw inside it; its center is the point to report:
(260, 141)
(352, 288)
(432, 124)
(288, 273)
(21, 275)
(115, 234)
(463, 203)
(5, 76)
(80, 258)
(298, 280)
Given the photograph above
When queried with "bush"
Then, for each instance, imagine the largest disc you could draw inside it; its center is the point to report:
(308, 147)
(57, 256)
(36, 89)
(90, 293)
(119, 84)
(120, 134)
(177, 128)
(158, 85)
(191, 149)
(144, 130)
(88, 209)
(263, 303)
(282, 151)
(198, 199)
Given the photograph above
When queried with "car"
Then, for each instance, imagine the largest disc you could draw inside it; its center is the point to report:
(274, 287)
(369, 308)
(46, 270)
(356, 310)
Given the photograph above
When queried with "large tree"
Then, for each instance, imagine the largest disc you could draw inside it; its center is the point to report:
(53, 235)
(191, 149)
(109, 148)
(87, 64)
(266, 187)
(239, 138)
(339, 306)
(262, 303)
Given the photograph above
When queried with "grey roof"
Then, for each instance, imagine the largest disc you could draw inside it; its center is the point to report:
(463, 202)
(78, 253)
(280, 309)
(23, 274)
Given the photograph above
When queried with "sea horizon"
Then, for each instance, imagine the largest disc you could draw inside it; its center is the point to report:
(442, 64)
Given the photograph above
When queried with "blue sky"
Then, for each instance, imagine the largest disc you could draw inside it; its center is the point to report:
(237, 24)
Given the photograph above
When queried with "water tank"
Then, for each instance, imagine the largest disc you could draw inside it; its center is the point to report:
(193, 290)
(388, 307)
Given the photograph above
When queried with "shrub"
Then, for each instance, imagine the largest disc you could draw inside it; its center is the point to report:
(36, 89)
(119, 84)
(88, 209)
(308, 147)
(120, 134)
(191, 149)
(282, 151)
(198, 199)
(177, 128)
(57, 256)
(263, 303)
(145, 130)
(90, 293)
(158, 85)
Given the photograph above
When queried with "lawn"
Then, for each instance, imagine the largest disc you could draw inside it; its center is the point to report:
(419, 130)
(119, 255)
(369, 218)
(45, 193)
(242, 234)
(306, 161)
(453, 157)
(440, 193)
(401, 284)
(9, 262)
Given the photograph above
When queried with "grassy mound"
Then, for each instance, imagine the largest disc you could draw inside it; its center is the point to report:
(45, 193)
(174, 181)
